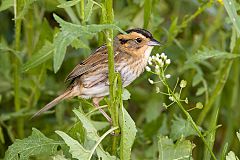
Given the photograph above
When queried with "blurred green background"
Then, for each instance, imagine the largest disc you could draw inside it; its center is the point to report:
(197, 35)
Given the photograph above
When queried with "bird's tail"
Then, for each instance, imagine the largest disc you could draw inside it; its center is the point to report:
(65, 95)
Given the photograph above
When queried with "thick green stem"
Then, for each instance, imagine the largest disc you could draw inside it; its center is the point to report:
(16, 66)
(82, 14)
(113, 105)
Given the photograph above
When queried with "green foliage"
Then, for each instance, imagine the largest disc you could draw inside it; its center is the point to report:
(36, 144)
(44, 54)
(128, 133)
(181, 128)
(168, 150)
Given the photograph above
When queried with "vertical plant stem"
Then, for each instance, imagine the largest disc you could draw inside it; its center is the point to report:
(28, 24)
(113, 105)
(16, 66)
(82, 14)
(147, 12)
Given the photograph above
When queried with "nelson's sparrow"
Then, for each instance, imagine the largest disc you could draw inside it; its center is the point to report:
(89, 79)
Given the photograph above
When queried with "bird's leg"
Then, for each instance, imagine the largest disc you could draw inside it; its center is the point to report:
(96, 101)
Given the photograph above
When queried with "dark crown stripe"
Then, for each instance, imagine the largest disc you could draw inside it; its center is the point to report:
(141, 31)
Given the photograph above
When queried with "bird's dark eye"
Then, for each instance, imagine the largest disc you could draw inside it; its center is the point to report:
(138, 40)
(123, 41)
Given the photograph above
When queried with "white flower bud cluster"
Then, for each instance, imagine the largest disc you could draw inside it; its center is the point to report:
(159, 61)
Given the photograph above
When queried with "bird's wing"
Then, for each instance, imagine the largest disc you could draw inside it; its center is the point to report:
(100, 55)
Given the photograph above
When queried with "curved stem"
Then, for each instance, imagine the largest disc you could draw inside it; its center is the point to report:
(100, 140)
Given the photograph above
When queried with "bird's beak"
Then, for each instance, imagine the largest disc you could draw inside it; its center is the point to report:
(154, 42)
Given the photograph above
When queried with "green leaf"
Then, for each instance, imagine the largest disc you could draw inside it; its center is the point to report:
(91, 134)
(6, 4)
(128, 133)
(35, 144)
(207, 53)
(182, 150)
(68, 4)
(44, 54)
(61, 41)
(76, 149)
(88, 10)
(70, 32)
(126, 94)
(91, 131)
(232, 12)
(181, 128)
(77, 43)
(88, 30)
(231, 156)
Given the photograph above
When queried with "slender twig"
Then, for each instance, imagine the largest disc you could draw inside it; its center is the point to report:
(100, 140)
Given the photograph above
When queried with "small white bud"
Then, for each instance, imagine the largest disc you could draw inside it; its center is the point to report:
(158, 55)
(168, 76)
(161, 64)
(153, 57)
(186, 100)
(199, 105)
(150, 81)
(171, 98)
(168, 61)
(157, 89)
(163, 55)
(148, 68)
(183, 83)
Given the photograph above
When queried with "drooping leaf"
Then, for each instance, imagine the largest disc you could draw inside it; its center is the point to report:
(181, 128)
(6, 4)
(128, 133)
(207, 53)
(35, 144)
(231, 156)
(68, 4)
(75, 148)
(70, 32)
(182, 149)
(88, 30)
(232, 12)
(44, 54)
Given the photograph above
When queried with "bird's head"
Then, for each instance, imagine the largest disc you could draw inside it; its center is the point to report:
(137, 42)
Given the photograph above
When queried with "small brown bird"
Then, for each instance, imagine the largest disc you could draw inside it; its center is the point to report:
(89, 79)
